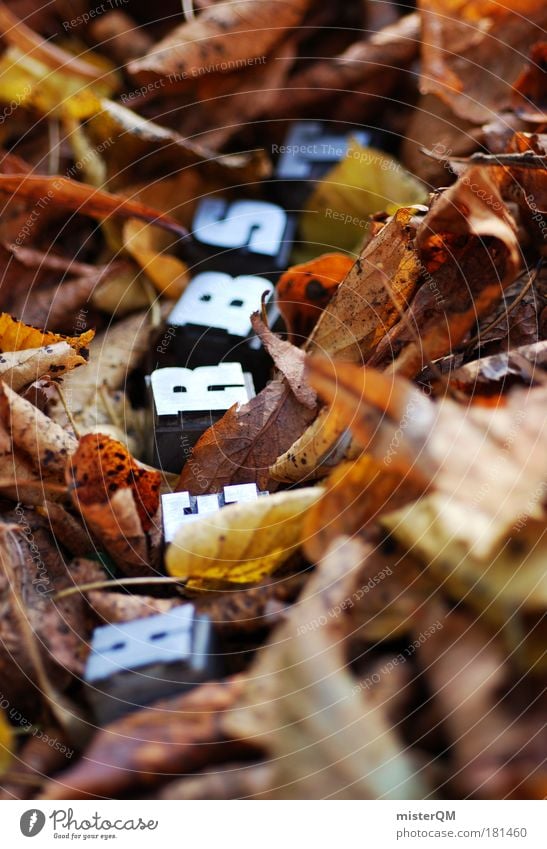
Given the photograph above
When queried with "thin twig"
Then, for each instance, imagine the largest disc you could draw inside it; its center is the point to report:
(528, 159)
(111, 412)
(118, 582)
(67, 410)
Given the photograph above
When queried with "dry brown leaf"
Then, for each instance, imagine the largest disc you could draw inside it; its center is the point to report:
(370, 65)
(171, 737)
(43, 441)
(469, 677)
(20, 368)
(367, 304)
(30, 557)
(115, 353)
(355, 494)
(83, 199)
(302, 704)
(529, 90)
(289, 360)
(218, 39)
(322, 445)
(468, 253)
(425, 439)
(241, 447)
(118, 499)
(473, 51)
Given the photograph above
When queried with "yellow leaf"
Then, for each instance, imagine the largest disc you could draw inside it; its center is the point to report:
(241, 543)
(507, 586)
(16, 336)
(365, 182)
(322, 445)
(28, 82)
(6, 743)
(147, 246)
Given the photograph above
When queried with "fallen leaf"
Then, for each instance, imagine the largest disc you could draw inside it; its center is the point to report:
(370, 298)
(355, 494)
(170, 737)
(218, 39)
(117, 498)
(366, 181)
(304, 290)
(472, 51)
(301, 703)
(468, 253)
(289, 361)
(43, 441)
(322, 445)
(529, 99)
(241, 446)
(86, 200)
(241, 543)
(148, 247)
(20, 368)
(16, 336)
(368, 65)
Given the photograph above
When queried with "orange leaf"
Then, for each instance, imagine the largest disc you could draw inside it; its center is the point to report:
(84, 199)
(17, 336)
(305, 290)
(101, 466)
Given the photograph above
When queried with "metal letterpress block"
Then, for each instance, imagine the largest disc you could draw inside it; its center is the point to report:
(181, 507)
(309, 151)
(135, 663)
(243, 236)
(185, 402)
(211, 321)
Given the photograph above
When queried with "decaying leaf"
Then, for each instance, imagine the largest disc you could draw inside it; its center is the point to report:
(289, 361)
(370, 298)
(355, 494)
(86, 200)
(43, 441)
(322, 445)
(172, 737)
(218, 39)
(117, 498)
(473, 51)
(16, 336)
(246, 441)
(20, 368)
(301, 703)
(469, 252)
(241, 543)
(304, 291)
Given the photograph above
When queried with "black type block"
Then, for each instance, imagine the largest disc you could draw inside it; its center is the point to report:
(181, 507)
(186, 402)
(135, 663)
(242, 236)
(309, 151)
(211, 322)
